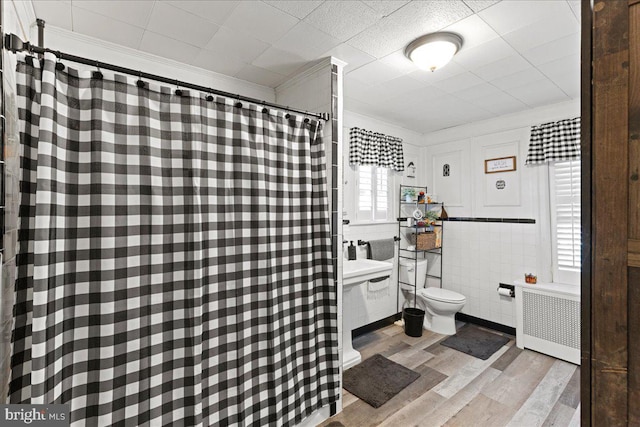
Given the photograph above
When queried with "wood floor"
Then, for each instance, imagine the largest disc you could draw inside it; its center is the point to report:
(514, 387)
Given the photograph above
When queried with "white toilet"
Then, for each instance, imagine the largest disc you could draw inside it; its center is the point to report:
(440, 305)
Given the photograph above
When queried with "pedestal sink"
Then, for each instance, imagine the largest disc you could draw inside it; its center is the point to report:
(355, 273)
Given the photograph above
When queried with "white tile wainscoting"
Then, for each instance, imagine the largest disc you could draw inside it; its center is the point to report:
(477, 256)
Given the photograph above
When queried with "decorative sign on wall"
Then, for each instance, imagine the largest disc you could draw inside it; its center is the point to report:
(502, 164)
(410, 170)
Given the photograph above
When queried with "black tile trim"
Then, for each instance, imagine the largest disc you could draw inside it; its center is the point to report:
(486, 323)
(375, 325)
(503, 220)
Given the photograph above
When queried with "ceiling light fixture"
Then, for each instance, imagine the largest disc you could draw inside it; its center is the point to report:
(433, 51)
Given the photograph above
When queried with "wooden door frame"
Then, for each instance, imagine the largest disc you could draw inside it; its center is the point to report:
(610, 110)
(585, 202)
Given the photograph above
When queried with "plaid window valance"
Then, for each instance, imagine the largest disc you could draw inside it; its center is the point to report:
(553, 142)
(372, 148)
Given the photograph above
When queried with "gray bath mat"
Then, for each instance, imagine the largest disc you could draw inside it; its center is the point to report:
(377, 379)
(475, 342)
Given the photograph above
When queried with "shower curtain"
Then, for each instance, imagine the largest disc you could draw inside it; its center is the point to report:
(174, 261)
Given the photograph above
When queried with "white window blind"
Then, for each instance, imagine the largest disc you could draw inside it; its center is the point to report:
(373, 193)
(565, 203)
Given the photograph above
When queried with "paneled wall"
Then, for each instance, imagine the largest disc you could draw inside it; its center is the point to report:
(501, 228)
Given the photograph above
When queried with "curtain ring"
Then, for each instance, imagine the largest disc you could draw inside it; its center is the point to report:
(210, 96)
(140, 83)
(59, 65)
(238, 104)
(178, 91)
(98, 74)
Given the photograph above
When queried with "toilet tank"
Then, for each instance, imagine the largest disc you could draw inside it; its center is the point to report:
(408, 270)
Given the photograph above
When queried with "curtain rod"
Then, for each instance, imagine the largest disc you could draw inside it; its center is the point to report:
(14, 44)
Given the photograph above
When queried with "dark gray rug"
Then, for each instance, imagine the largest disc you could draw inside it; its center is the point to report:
(475, 341)
(377, 379)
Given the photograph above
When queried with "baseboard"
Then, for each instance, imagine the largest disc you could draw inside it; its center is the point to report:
(375, 325)
(486, 323)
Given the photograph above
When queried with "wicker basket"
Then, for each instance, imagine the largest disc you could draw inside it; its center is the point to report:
(428, 240)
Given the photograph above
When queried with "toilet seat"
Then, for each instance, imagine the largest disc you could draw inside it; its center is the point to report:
(442, 295)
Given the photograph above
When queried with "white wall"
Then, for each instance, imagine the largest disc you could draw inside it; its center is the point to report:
(477, 256)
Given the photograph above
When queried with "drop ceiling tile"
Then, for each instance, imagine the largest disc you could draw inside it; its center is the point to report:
(226, 65)
(502, 67)
(393, 88)
(260, 76)
(299, 9)
(424, 97)
(459, 82)
(575, 8)
(400, 62)
(354, 58)
(105, 28)
(536, 94)
(375, 73)
(260, 20)
(481, 91)
(557, 49)
(180, 25)
(215, 11)
(415, 19)
(483, 54)
(236, 45)
(356, 89)
(508, 16)
(134, 12)
(385, 7)
(279, 61)
(565, 73)
(306, 41)
(168, 48)
(445, 111)
(432, 77)
(478, 5)
(500, 103)
(474, 31)
(56, 13)
(521, 78)
(544, 31)
(342, 19)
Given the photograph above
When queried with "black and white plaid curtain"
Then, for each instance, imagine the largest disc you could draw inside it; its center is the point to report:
(372, 148)
(174, 257)
(554, 142)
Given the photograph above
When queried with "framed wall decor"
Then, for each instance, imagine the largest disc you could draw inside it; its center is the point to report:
(501, 164)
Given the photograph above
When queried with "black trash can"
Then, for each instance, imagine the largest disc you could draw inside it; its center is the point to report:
(413, 320)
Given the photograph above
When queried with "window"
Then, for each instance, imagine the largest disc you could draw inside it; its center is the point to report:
(373, 193)
(565, 221)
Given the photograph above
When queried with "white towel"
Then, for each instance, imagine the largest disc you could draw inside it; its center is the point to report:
(378, 289)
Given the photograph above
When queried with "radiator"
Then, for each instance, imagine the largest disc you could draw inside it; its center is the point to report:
(548, 320)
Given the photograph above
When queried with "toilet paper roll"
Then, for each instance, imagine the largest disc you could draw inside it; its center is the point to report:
(504, 291)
